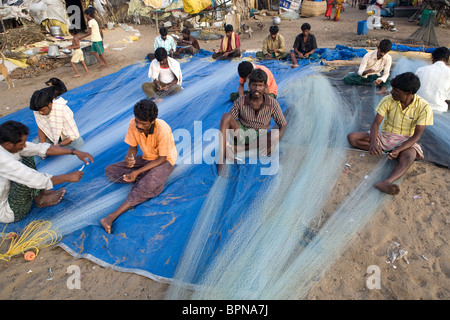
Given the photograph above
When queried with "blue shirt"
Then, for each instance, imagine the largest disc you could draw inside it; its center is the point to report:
(168, 44)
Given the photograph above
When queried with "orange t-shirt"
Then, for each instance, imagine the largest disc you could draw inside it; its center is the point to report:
(158, 144)
(271, 84)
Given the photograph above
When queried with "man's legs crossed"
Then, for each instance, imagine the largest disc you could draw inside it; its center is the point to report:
(20, 198)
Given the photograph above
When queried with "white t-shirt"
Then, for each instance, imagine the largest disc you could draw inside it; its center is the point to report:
(435, 85)
(166, 75)
(95, 31)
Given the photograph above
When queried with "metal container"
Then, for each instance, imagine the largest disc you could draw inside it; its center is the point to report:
(53, 50)
(55, 31)
(276, 20)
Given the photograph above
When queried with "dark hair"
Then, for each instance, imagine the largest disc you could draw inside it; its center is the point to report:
(42, 98)
(186, 31)
(385, 45)
(245, 68)
(440, 54)
(257, 75)
(273, 30)
(306, 26)
(90, 12)
(160, 54)
(59, 86)
(73, 31)
(163, 31)
(407, 82)
(146, 110)
(12, 131)
(228, 28)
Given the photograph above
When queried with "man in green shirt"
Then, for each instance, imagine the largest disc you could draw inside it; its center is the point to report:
(273, 46)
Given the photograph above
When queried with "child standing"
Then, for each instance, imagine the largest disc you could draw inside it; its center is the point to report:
(77, 56)
(96, 37)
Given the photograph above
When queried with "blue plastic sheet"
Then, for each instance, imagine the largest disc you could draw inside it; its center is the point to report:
(150, 238)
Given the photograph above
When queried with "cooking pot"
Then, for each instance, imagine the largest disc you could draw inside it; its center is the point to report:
(53, 50)
(55, 31)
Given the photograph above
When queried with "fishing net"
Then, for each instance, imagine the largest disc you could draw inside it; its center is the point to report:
(425, 35)
(246, 235)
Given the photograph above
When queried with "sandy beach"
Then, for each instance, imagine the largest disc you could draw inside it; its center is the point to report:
(418, 219)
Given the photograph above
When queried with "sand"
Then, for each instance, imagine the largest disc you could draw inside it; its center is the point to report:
(418, 218)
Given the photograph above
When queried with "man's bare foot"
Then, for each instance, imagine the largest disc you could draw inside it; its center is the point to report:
(388, 187)
(382, 91)
(77, 75)
(294, 66)
(106, 224)
(49, 198)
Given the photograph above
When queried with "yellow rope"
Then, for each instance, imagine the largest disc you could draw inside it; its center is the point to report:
(36, 235)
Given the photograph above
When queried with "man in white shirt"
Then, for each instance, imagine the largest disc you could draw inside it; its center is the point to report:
(54, 119)
(435, 80)
(372, 65)
(20, 182)
(166, 75)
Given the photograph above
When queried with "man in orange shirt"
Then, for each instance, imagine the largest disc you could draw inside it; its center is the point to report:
(244, 70)
(149, 171)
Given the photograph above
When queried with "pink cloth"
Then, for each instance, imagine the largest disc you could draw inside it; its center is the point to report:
(389, 141)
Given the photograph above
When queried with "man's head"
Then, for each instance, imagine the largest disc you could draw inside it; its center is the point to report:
(73, 32)
(257, 83)
(229, 30)
(404, 84)
(13, 136)
(306, 28)
(161, 54)
(440, 54)
(245, 68)
(186, 33)
(273, 31)
(384, 47)
(145, 114)
(42, 100)
(90, 12)
(163, 32)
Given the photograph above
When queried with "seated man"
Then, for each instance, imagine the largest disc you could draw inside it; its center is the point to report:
(187, 44)
(20, 182)
(54, 119)
(230, 46)
(435, 80)
(244, 70)
(273, 46)
(149, 171)
(372, 64)
(166, 75)
(164, 40)
(252, 111)
(405, 116)
(305, 46)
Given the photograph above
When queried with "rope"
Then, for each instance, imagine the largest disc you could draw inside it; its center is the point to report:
(36, 235)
